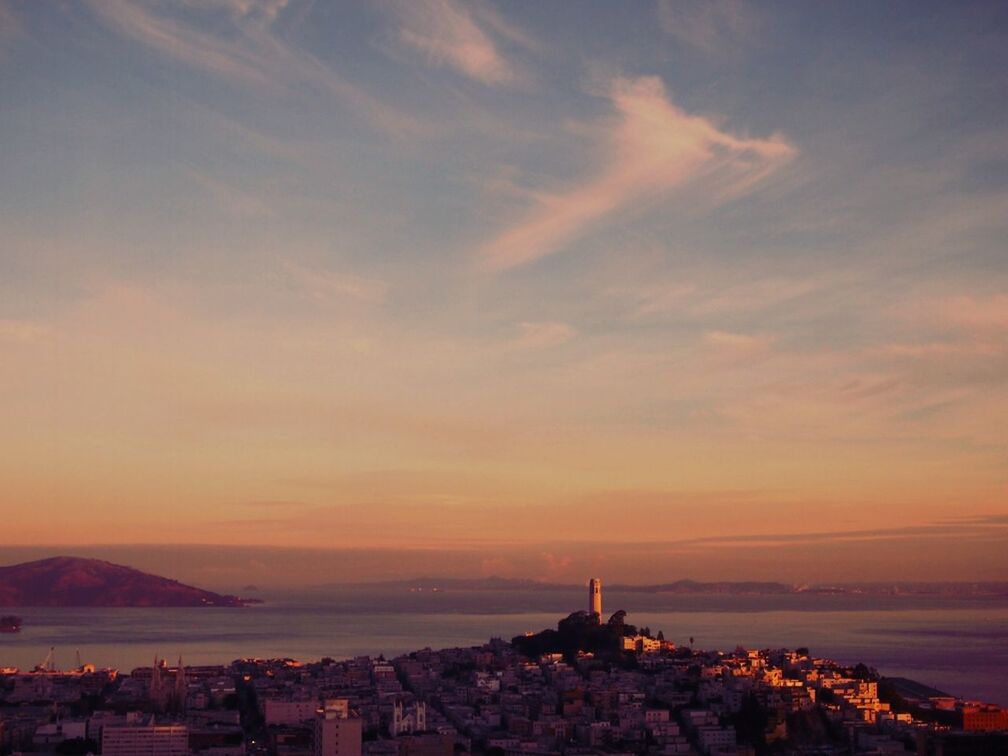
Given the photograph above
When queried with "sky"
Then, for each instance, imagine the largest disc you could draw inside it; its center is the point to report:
(654, 290)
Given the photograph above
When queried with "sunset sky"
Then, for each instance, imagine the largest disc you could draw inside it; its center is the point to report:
(691, 289)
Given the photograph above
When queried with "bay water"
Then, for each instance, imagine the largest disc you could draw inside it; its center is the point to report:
(956, 644)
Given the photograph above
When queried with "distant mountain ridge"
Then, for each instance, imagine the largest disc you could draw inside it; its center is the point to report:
(75, 581)
(683, 587)
(525, 584)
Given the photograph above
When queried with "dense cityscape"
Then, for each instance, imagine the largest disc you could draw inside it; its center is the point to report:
(588, 687)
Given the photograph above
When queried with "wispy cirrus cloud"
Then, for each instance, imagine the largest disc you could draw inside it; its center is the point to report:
(465, 37)
(653, 146)
(738, 342)
(711, 296)
(982, 314)
(329, 286)
(965, 327)
(229, 197)
(710, 26)
(941, 350)
(275, 504)
(262, 11)
(967, 528)
(541, 335)
(22, 331)
(8, 23)
(251, 54)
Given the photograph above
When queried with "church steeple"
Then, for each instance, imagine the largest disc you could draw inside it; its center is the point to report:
(156, 691)
(181, 686)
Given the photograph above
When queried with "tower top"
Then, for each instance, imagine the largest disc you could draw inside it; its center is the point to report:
(595, 597)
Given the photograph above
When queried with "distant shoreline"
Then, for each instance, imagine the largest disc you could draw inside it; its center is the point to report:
(692, 587)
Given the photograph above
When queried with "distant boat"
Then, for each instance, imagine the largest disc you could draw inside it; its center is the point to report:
(10, 624)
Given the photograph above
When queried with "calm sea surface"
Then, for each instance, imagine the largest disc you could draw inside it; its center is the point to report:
(956, 645)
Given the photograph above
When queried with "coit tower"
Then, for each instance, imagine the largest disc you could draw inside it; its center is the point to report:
(595, 597)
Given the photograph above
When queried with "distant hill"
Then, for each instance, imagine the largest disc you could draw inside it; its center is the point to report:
(522, 584)
(462, 584)
(685, 587)
(694, 586)
(73, 581)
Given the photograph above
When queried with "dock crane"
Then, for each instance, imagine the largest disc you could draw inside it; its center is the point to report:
(48, 664)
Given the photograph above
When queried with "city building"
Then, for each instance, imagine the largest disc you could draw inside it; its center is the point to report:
(984, 718)
(278, 711)
(337, 731)
(145, 739)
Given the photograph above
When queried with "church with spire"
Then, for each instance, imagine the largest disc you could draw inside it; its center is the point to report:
(169, 688)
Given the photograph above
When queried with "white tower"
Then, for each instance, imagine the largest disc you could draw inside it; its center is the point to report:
(595, 597)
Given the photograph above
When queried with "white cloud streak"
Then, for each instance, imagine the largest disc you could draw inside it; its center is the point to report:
(541, 335)
(653, 147)
(461, 37)
(22, 331)
(254, 57)
(711, 26)
(327, 286)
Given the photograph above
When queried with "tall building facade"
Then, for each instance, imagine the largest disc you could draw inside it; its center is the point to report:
(337, 731)
(148, 739)
(595, 597)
